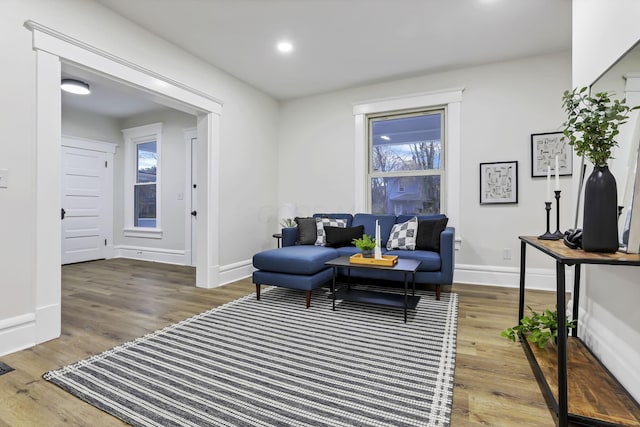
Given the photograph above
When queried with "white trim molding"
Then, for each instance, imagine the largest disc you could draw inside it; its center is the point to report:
(132, 137)
(17, 333)
(143, 253)
(236, 271)
(509, 277)
(51, 48)
(451, 99)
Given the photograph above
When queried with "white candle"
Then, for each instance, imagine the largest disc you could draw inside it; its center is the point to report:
(548, 183)
(557, 175)
(377, 233)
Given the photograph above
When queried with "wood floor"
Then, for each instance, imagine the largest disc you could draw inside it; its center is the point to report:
(106, 303)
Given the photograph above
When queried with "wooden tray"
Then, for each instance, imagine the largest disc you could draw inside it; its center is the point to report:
(386, 261)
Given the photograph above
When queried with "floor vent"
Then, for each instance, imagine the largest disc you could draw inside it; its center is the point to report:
(5, 368)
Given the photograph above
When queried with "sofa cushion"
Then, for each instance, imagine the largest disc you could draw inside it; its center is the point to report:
(403, 235)
(423, 217)
(307, 232)
(386, 222)
(430, 261)
(304, 259)
(346, 216)
(429, 234)
(342, 236)
(321, 239)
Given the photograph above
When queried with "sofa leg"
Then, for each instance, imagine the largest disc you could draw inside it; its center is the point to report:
(438, 292)
(258, 292)
(308, 299)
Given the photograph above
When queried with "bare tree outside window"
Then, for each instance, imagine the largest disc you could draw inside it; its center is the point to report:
(406, 163)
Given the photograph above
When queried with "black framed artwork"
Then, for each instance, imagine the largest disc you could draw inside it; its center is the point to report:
(499, 183)
(545, 149)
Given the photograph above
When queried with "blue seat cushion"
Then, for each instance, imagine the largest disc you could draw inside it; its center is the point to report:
(430, 260)
(293, 281)
(308, 259)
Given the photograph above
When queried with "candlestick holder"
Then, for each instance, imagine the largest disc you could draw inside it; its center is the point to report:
(548, 235)
(558, 233)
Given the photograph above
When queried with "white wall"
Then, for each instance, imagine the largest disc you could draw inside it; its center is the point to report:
(609, 305)
(502, 105)
(248, 126)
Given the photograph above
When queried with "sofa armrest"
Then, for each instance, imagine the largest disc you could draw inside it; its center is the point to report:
(447, 254)
(289, 236)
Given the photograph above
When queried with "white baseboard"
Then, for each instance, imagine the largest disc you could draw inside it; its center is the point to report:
(509, 277)
(612, 349)
(17, 333)
(167, 256)
(48, 321)
(236, 271)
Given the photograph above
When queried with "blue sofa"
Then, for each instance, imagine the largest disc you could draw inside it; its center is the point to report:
(303, 266)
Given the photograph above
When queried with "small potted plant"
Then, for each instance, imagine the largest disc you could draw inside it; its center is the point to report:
(539, 328)
(366, 244)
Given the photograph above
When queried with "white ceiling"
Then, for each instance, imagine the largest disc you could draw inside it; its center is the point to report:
(346, 43)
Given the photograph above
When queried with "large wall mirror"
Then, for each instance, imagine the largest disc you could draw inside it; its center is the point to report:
(623, 80)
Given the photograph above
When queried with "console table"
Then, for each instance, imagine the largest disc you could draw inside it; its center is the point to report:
(591, 395)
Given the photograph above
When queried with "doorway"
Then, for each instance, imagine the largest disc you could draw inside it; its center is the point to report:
(51, 48)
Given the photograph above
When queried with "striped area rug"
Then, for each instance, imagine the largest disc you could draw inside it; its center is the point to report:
(275, 363)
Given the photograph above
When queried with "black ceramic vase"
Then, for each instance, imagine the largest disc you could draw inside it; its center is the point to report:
(600, 222)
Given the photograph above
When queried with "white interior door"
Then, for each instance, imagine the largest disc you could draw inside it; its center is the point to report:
(85, 204)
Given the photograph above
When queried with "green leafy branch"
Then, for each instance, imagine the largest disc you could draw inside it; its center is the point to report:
(593, 121)
(539, 328)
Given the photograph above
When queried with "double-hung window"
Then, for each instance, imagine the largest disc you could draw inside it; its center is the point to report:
(406, 162)
(142, 181)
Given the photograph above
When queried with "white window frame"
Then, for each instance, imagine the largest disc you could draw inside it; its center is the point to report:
(440, 171)
(133, 137)
(451, 99)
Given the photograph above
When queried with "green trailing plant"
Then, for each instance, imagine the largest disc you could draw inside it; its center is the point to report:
(539, 328)
(288, 223)
(592, 123)
(364, 243)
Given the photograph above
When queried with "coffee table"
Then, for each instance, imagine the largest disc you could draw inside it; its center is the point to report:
(408, 267)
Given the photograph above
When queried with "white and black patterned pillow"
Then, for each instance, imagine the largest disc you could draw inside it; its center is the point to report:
(330, 222)
(403, 236)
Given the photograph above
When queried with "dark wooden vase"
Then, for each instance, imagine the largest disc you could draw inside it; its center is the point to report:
(600, 222)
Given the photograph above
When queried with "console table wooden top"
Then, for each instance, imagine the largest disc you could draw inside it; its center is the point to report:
(565, 255)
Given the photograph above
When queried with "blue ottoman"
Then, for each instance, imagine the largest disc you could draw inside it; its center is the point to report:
(297, 267)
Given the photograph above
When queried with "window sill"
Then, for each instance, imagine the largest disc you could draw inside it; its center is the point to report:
(145, 233)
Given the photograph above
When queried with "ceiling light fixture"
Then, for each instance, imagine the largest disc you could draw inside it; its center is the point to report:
(285, 46)
(75, 86)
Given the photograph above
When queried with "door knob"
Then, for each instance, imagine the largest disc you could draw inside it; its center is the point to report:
(194, 213)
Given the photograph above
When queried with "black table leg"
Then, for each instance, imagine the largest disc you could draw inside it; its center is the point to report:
(405, 297)
(562, 347)
(333, 287)
(576, 297)
(523, 264)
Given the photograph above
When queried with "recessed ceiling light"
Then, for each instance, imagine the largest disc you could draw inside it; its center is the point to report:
(75, 86)
(285, 46)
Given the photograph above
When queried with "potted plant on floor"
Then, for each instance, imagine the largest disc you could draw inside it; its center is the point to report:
(591, 128)
(366, 245)
(539, 328)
